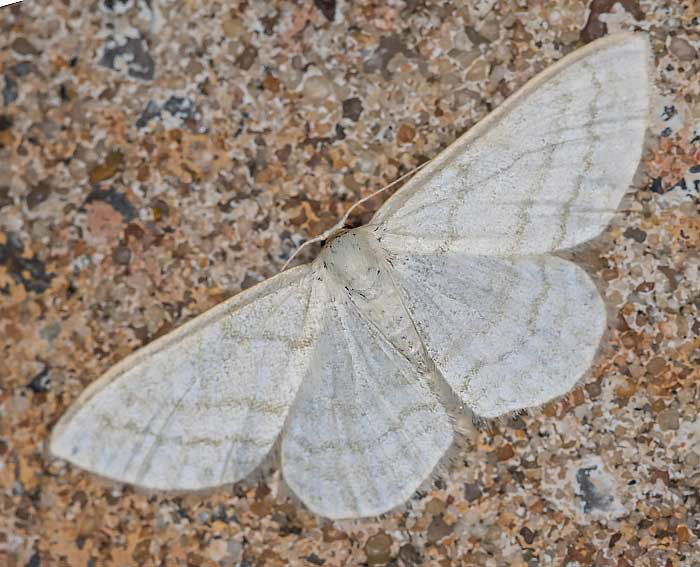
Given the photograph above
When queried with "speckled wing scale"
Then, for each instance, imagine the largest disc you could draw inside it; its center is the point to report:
(451, 287)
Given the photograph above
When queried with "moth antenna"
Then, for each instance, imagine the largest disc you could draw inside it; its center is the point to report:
(318, 238)
(341, 223)
(389, 186)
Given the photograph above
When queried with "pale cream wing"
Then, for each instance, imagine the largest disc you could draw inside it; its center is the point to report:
(506, 333)
(545, 171)
(365, 430)
(203, 405)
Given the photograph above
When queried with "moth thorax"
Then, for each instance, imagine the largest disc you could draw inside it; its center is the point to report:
(355, 262)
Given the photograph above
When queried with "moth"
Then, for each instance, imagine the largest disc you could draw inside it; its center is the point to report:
(347, 365)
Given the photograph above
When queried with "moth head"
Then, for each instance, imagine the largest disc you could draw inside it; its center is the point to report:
(337, 232)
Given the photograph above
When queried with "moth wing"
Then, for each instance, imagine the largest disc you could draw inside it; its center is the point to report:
(365, 430)
(545, 171)
(202, 405)
(506, 333)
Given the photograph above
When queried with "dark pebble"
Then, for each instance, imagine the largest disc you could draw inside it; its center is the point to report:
(23, 46)
(22, 69)
(409, 555)
(472, 492)
(378, 549)
(246, 59)
(5, 122)
(438, 529)
(151, 111)
(38, 194)
(528, 534)
(327, 8)
(118, 200)
(121, 255)
(139, 63)
(41, 382)
(10, 91)
(594, 390)
(5, 198)
(635, 234)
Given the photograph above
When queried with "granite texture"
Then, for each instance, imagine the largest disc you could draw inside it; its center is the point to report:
(157, 157)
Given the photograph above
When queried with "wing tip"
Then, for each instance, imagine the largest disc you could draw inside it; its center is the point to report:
(626, 39)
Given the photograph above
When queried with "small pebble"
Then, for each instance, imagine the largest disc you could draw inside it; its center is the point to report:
(683, 534)
(108, 168)
(472, 492)
(669, 420)
(438, 529)
(479, 70)
(38, 194)
(352, 108)
(378, 549)
(409, 555)
(121, 255)
(23, 46)
(505, 452)
(656, 365)
(682, 49)
(528, 534)
(246, 59)
(318, 88)
(593, 388)
(406, 133)
(232, 27)
(635, 234)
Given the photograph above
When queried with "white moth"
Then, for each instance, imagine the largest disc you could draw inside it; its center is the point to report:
(451, 289)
